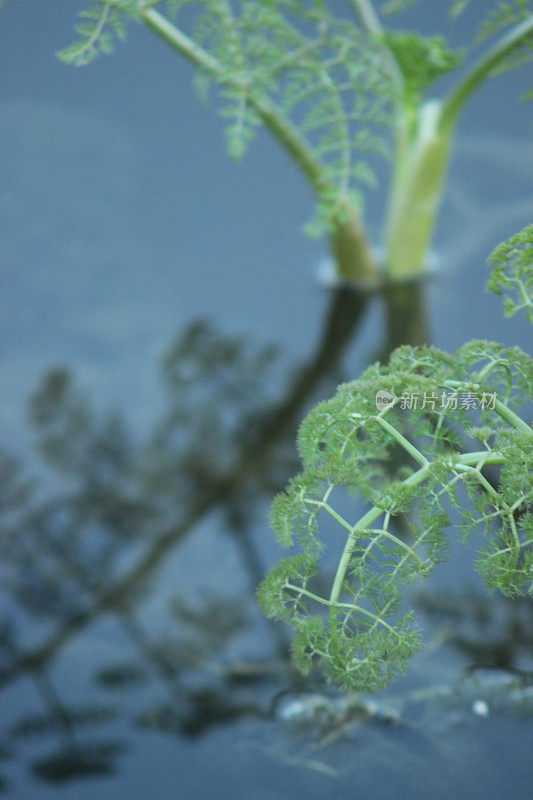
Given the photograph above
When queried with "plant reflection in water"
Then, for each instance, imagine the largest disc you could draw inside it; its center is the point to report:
(92, 547)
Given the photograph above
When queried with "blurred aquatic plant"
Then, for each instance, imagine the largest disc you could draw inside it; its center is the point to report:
(114, 507)
(335, 88)
(83, 536)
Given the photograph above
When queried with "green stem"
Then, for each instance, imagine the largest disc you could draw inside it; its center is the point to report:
(418, 477)
(355, 261)
(98, 29)
(480, 479)
(511, 418)
(282, 129)
(371, 23)
(402, 441)
(378, 531)
(399, 542)
(500, 408)
(367, 15)
(422, 163)
(456, 100)
(351, 606)
(331, 511)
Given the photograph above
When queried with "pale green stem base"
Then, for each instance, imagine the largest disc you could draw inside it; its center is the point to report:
(355, 262)
(415, 196)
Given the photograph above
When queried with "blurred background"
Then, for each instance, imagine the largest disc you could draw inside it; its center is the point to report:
(163, 331)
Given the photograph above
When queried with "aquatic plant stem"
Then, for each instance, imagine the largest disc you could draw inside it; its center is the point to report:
(455, 101)
(367, 15)
(351, 606)
(421, 164)
(345, 313)
(504, 412)
(402, 441)
(418, 477)
(356, 263)
(511, 418)
(370, 21)
(416, 190)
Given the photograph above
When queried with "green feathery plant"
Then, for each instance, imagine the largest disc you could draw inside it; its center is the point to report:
(334, 87)
(452, 417)
(512, 275)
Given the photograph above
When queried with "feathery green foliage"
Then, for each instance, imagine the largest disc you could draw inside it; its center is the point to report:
(450, 416)
(102, 24)
(503, 14)
(335, 89)
(421, 61)
(412, 440)
(512, 275)
(317, 73)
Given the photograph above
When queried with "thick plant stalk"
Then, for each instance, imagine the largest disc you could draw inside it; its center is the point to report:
(354, 259)
(405, 311)
(415, 196)
(422, 165)
(481, 71)
(423, 140)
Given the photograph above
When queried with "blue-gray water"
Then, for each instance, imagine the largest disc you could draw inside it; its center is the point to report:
(123, 224)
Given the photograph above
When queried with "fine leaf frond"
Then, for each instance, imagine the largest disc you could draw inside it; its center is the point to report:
(421, 61)
(102, 24)
(320, 73)
(502, 16)
(411, 460)
(298, 65)
(512, 276)
(332, 89)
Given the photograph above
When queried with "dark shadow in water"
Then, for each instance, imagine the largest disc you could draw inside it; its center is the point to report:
(225, 449)
(495, 632)
(226, 442)
(92, 546)
(406, 321)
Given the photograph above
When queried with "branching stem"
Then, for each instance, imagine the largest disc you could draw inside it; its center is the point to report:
(501, 409)
(422, 165)
(355, 260)
(350, 606)
(402, 441)
(465, 459)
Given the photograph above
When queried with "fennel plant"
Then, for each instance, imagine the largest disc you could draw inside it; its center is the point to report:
(335, 88)
(452, 417)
